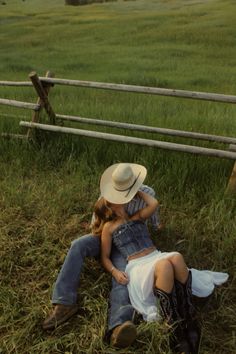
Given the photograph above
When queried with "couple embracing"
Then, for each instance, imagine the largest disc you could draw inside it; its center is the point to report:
(153, 283)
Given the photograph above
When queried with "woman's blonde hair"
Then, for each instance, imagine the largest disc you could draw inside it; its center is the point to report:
(102, 214)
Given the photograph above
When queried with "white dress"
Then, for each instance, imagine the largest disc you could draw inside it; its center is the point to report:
(141, 278)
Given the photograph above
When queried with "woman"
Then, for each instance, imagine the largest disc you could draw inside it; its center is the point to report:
(150, 274)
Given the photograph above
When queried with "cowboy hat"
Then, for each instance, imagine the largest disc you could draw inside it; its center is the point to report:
(120, 182)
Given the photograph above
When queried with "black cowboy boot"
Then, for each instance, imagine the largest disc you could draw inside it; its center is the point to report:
(168, 305)
(188, 313)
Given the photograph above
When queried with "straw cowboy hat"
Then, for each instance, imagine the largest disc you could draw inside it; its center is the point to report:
(121, 181)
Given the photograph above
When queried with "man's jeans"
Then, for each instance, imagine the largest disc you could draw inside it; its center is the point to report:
(67, 283)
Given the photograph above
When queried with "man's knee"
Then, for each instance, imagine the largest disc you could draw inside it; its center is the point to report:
(86, 246)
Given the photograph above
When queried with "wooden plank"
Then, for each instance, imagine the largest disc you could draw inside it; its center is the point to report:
(19, 104)
(164, 131)
(43, 96)
(127, 139)
(144, 89)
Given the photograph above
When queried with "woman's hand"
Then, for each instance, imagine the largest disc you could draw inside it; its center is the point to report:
(120, 277)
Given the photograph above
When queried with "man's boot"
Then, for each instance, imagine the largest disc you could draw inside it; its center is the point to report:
(60, 314)
(188, 312)
(168, 305)
(123, 335)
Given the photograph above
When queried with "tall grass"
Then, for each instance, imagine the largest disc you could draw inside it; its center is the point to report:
(47, 191)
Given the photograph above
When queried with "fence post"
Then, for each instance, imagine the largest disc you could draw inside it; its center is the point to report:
(36, 114)
(43, 96)
(231, 187)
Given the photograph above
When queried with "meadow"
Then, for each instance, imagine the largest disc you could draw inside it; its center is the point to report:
(47, 190)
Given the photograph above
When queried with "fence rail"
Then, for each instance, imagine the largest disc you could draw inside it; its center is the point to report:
(144, 128)
(15, 83)
(131, 88)
(19, 104)
(133, 140)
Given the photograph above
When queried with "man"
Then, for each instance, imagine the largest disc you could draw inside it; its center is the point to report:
(121, 329)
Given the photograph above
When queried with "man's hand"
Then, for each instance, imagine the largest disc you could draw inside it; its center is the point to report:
(120, 277)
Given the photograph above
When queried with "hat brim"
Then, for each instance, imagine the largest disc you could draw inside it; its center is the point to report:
(121, 197)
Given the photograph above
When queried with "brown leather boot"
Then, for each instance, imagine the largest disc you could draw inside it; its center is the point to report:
(60, 314)
(124, 335)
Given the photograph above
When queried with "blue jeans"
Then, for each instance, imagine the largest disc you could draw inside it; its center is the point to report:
(68, 280)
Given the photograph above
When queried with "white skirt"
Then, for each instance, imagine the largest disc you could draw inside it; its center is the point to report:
(141, 279)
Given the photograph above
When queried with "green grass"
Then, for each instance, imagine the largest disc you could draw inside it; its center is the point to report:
(47, 191)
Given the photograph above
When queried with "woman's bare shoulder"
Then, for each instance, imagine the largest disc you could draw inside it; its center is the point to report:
(110, 227)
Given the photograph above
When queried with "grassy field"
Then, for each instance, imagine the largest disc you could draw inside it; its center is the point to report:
(48, 191)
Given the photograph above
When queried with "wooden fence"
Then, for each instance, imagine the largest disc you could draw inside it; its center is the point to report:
(42, 86)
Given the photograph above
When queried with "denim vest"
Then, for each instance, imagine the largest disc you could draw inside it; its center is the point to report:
(132, 238)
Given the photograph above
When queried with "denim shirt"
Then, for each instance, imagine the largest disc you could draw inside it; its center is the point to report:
(138, 203)
(132, 238)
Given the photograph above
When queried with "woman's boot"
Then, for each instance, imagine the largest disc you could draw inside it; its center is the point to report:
(188, 313)
(168, 305)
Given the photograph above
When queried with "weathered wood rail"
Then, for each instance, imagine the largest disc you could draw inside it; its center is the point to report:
(133, 140)
(42, 86)
(19, 104)
(130, 88)
(144, 128)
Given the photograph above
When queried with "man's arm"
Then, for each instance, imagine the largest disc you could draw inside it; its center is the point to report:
(149, 208)
(138, 203)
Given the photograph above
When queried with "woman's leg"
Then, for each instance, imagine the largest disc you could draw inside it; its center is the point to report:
(164, 275)
(180, 268)
(164, 290)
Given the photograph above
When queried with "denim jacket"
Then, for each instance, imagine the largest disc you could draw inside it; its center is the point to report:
(132, 238)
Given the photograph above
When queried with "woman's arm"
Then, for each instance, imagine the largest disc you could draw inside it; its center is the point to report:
(106, 243)
(149, 209)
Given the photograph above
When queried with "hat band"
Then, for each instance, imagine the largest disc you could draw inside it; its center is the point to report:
(129, 188)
